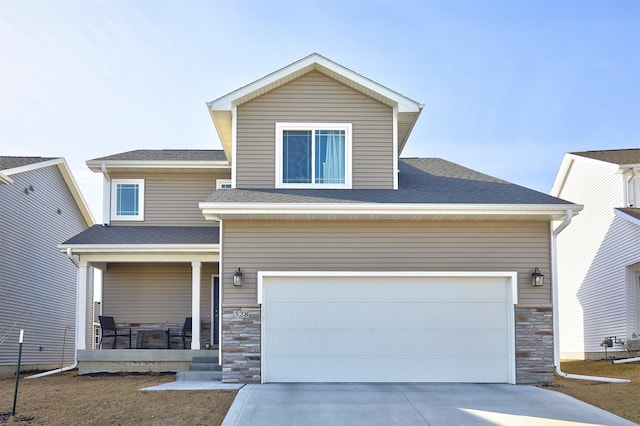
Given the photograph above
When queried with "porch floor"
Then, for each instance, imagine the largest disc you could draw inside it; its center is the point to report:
(139, 360)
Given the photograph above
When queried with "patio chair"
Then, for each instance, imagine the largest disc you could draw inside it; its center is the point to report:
(184, 333)
(108, 325)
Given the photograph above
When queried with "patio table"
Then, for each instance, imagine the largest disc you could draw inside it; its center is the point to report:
(143, 335)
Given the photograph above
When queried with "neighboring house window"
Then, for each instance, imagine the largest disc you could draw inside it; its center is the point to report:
(313, 155)
(223, 183)
(127, 198)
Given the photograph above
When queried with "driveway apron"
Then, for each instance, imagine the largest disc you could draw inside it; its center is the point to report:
(410, 404)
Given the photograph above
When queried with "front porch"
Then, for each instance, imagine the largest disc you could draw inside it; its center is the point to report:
(138, 360)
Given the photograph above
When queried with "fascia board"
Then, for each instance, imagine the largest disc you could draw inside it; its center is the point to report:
(625, 167)
(140, 248)
(627, 217)
(561, 176)
(76, 193)
(387, 209)
(33, 166)
(226, 102)
(96, 166)
(5, 179)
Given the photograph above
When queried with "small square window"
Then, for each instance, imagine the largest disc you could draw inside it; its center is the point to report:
(313, 155)
(223, 183)
(127, 199)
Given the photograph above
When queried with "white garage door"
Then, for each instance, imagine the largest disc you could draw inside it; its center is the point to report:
(387, 329)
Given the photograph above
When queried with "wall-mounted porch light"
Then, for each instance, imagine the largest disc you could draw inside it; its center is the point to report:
(537, 279)
(237, 278)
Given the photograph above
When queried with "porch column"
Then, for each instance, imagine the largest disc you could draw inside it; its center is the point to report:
(195, 305)
(81, 306)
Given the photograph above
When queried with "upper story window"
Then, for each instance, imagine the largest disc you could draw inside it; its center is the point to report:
(127, 199)
(313, 155)
(223, 183)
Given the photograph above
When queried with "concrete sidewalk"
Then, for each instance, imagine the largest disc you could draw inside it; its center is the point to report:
(410, 404)
(199, 385)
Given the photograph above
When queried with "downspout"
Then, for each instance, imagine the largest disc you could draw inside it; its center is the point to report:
(75, 352)
(71, 258)
(629, 189)
(556, 319)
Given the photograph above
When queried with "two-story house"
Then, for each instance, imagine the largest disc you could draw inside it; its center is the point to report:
(40, 205)
(336, 259)
(599, 254)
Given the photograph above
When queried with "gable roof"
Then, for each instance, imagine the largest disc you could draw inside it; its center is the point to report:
(618, 160)
(161, 159)
(14, 165)
(620, 157)
(221, 108)
(14, 162)
(632, 214)
(427, 187)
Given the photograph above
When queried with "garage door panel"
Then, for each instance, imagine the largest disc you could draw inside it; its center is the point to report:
(386, 329)
(378, 315)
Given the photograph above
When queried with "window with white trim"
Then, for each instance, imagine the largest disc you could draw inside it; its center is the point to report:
(127, 199)
(223, 183)
(313, 155)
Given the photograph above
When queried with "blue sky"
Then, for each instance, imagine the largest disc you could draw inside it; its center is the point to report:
(508, 86)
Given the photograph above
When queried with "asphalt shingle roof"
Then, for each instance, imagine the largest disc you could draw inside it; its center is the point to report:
(13, 162)
(421, 181)
(167, 155)
(99, 234)
(615, 156)
(631, 211)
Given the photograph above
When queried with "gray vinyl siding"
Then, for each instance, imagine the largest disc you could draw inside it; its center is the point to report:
(37, 282)
(171, 199)
(314, 98)
(385, 246)
(154, 292)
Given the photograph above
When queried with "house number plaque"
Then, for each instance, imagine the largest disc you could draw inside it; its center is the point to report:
(240, 314)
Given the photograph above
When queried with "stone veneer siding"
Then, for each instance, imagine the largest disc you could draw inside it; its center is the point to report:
(241, 344)
(534, 345)
(241, 327)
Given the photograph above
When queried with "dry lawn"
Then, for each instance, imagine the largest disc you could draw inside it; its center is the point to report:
(69, 399)
(622, 399)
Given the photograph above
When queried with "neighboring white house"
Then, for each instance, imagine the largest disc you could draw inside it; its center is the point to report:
(599, 253)
(40, 205)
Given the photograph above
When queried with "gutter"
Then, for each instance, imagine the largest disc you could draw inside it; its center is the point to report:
(556, 319)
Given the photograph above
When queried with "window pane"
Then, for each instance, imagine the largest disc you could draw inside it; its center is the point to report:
(330, 145)
(296, 156)
(127, 199)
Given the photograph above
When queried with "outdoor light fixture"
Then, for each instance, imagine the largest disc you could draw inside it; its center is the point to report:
(537, 279)
(237, 278)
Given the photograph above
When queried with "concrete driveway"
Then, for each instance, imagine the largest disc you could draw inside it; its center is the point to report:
(410, 404)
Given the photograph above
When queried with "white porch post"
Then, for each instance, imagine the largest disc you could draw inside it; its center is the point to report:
(81, 306)
(195, 305)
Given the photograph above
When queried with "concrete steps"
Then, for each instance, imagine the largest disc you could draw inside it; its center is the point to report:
(202, 368)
